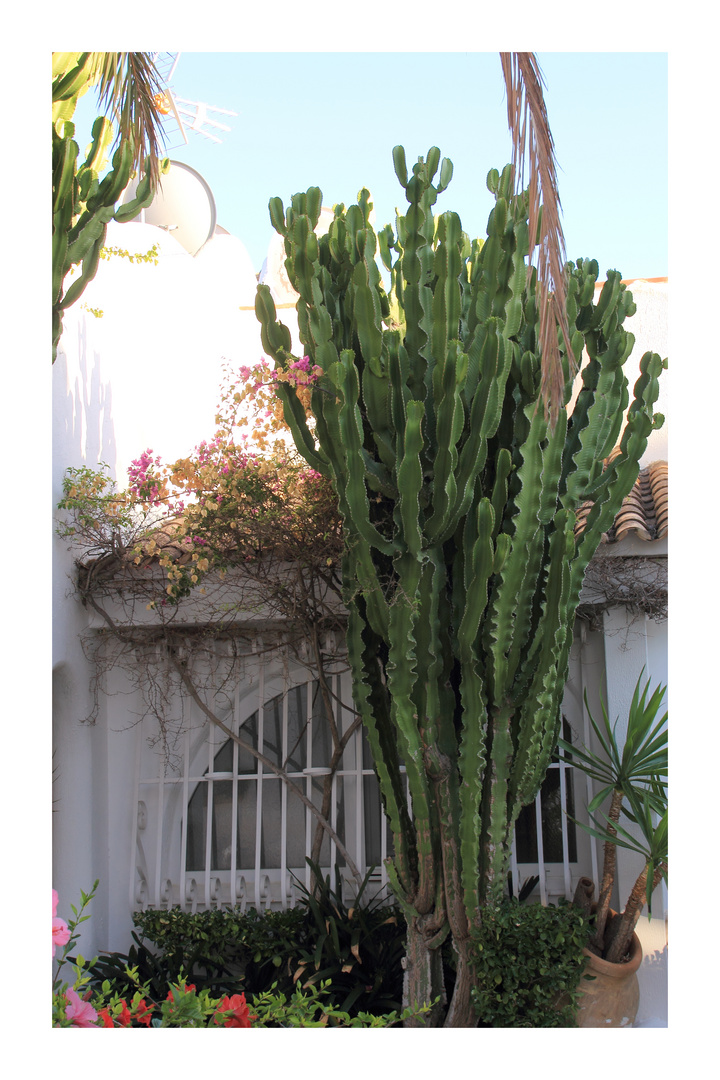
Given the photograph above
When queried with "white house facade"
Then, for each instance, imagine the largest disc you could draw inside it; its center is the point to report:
(165, 808)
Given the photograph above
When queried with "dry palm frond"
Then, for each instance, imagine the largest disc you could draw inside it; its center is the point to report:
(126, 85)
(532, 139)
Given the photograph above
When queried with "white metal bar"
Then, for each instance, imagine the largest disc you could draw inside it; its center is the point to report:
(360, 847)
(586, 740)
(283, 787)
(136, 800)
(259, 774)
(540, 849)
(333, 822)
(309, 819)
(564, 832)
(184, 830)
(159, 830)
(208, 838)
(234, 802)
(514, 869)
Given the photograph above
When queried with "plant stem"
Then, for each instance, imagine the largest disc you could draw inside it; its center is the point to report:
(609, 864)
(621, 929)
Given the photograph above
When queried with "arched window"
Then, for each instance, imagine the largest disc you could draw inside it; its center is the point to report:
(241, 807)
(221, 827)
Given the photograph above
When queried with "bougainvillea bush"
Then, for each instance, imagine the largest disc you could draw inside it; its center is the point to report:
(222, 506)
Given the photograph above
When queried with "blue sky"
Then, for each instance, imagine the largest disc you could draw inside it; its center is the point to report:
(332, 119)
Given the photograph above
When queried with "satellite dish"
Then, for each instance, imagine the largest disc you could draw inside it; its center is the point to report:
(183, 204)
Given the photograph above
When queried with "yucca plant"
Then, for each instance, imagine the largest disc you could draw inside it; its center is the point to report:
(635, 778)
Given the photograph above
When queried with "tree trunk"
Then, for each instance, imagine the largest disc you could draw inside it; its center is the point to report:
(423, 981)
(621, 928)
(609, 864)
(461, 1013)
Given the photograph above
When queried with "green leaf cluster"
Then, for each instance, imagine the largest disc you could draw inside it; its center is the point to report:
(226, 949)
(354, 951)
(529, 961)
(357, 951)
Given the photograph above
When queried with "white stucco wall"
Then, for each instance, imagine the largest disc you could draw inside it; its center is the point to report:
(145, 375)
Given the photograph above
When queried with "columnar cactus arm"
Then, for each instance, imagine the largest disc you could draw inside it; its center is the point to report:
(277, 343)
(622, 472)
(410, 481)
(83, 206)
(598, 412)
(448, 379)
(494, 360)
(494, 851)
(371, 700)
(402, 673)
(541, 678)
(480, 554)
(516, 583)
(354, 499)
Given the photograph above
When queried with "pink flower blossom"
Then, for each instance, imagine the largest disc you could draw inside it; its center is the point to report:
(80, 1012)
(60, 932)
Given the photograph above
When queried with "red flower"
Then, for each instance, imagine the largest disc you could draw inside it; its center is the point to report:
(188, 988)
(124, 1017)
(237, 1005)
(107, 1020)
(141, 1013)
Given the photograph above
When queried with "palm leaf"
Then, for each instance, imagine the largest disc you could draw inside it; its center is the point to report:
(126, 86)
(532, 140)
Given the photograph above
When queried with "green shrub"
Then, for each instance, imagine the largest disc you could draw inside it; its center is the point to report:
(228, 948)
(529, 962)
(355, 951)
(123, 972)
(313, 1007)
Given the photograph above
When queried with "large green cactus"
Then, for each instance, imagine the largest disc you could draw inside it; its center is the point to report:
(461, 572)
(82, 203)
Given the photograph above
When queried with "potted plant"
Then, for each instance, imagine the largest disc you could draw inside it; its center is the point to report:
(635, 778)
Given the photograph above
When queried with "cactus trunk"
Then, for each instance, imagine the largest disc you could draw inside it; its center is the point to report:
(461, 571)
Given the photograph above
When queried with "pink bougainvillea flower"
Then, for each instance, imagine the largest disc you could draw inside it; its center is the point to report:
(80, 1012)
(240, 1017)
(55, 903)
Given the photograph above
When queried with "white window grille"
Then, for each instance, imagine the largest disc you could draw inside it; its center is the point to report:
(221, 828)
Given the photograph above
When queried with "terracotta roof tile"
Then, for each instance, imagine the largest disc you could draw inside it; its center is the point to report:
(644, 511)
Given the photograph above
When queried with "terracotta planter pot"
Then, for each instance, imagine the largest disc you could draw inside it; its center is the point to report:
(611, 998)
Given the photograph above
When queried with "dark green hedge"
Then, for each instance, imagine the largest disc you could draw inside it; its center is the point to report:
(356, 950)
(529, 962)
